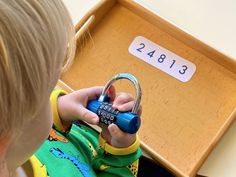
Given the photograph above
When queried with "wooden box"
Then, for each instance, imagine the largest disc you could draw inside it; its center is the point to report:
(181, 121)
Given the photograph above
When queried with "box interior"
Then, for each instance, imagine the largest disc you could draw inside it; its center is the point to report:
(181, 122)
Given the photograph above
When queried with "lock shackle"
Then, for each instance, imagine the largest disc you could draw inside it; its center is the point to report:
(135, 82)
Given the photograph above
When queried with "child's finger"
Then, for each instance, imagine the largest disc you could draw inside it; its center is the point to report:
(119, 138)
(126, 106)
(115, 132)
(121, 99)
(86, 115)
(93, 92)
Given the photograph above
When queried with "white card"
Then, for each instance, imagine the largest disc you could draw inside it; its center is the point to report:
(162, 59)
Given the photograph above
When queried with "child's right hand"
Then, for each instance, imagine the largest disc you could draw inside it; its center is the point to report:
(112, 133)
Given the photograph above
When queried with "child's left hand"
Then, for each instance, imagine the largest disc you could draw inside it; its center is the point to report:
(112, 134)
(72, 107)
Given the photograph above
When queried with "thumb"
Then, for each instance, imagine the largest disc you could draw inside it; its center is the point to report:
(88, 116)
(119, 138)
(115, 132)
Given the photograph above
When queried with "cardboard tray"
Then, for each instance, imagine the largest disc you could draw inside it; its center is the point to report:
(181, 122)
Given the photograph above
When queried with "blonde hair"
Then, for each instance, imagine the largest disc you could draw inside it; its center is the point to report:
(34, 40)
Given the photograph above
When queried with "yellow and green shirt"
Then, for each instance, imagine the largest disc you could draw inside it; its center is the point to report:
(82, 152)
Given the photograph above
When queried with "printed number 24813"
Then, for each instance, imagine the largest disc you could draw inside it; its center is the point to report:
(162, 59)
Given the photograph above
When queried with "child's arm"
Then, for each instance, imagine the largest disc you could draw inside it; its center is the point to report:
(118, 152)
(69, 108)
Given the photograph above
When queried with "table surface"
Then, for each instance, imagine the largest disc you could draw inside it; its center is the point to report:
(199, 19)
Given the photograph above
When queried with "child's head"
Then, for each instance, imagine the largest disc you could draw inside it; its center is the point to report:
(34, 40)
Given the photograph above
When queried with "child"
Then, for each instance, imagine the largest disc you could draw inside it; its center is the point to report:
(34, 40)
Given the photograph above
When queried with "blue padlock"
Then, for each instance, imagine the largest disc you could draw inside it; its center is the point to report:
(127, 121)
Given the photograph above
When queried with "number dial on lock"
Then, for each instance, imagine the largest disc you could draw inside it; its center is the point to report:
(106, 113)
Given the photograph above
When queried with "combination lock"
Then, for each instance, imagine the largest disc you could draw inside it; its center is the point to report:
(127, 121)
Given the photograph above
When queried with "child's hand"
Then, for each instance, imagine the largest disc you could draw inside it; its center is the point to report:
(72, 107)
(112, 134)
